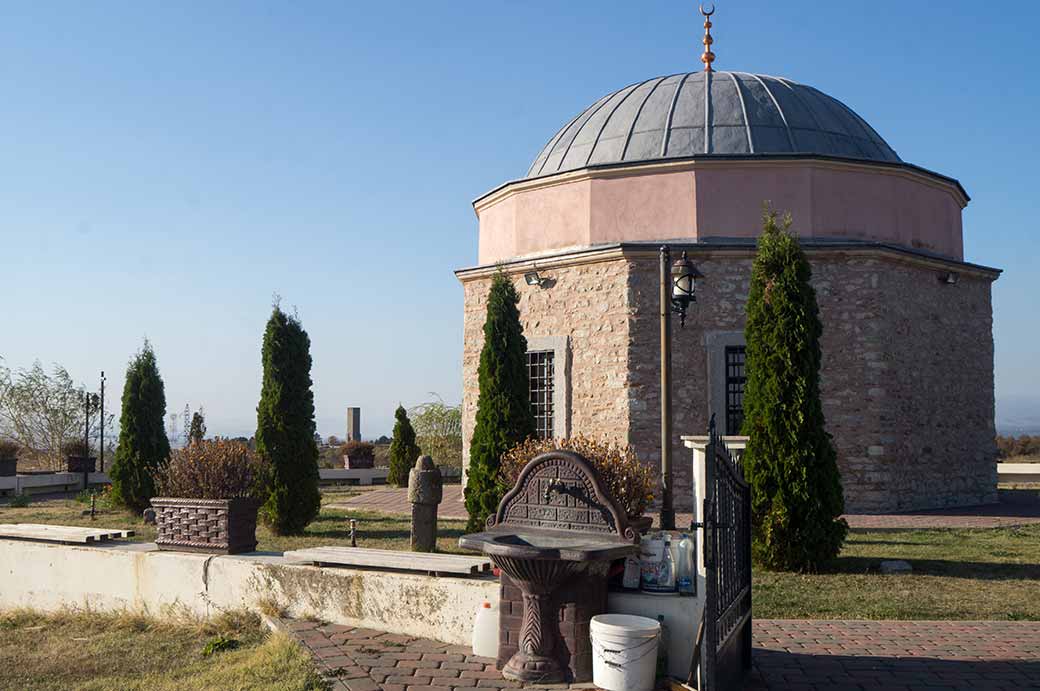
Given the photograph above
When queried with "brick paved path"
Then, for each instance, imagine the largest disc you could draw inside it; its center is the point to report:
(368, 660)
(895, 655)
(1017, 507)
(395, 500)
(795, 655)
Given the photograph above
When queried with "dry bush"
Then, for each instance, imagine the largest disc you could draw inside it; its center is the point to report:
(9, 449)
(358, 449)
(629, 482)
(216, 469)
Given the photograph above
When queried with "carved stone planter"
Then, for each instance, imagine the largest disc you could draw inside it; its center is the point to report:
(8, 467)
(218, 526)
(358, 462)
(80, 464)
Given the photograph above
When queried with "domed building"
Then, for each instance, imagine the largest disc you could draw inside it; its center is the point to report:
(689, 160)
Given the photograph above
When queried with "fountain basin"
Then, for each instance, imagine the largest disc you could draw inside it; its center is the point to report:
(547, 544)
(557, 524)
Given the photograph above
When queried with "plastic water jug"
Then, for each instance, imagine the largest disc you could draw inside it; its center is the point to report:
(684, 566)
(485, 631)
(658, 565)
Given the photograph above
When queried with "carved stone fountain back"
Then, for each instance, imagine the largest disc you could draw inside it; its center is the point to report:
(581, 505)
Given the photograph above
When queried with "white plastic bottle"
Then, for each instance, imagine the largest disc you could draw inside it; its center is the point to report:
(667, 579)
(633, 573)
(485, 631)
(684, 569)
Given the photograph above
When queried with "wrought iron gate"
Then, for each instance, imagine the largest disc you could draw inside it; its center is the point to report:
(726, 651)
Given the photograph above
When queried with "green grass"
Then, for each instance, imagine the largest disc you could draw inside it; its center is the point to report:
(90, 651)
(332, 527)
(957, 574)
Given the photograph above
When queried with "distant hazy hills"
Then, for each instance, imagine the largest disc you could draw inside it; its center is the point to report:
(1018, 415)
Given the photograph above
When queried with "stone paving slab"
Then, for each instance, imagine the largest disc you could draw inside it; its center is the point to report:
(794, 655)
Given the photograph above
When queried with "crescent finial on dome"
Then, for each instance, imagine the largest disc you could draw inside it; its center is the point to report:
(707, 57)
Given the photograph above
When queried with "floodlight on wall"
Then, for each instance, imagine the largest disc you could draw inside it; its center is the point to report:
(950, 278)
(533, 278)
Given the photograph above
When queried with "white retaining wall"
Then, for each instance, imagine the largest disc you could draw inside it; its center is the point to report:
(1018, 472)
(48, 577)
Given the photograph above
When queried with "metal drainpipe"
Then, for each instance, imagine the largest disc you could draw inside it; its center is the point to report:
(667, 509)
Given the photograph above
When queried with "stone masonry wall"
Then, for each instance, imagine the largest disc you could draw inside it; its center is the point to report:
(907, 378)
(588, 303)
(939, 445)
(852, 340)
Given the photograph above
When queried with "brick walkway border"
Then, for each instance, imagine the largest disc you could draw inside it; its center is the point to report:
(790, 655)
(1017, 507)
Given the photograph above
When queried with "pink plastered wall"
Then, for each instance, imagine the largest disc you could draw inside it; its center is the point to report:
(860, 202)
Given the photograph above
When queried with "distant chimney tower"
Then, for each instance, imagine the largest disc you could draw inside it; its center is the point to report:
(353, 424)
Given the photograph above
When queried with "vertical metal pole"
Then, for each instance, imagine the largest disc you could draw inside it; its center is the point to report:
(86, 438)
(667, 510)
(102, 449)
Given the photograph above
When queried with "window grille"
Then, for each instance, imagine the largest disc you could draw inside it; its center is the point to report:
(734, 389)
(540, 366)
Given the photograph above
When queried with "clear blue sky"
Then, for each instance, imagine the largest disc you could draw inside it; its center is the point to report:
(166, 167)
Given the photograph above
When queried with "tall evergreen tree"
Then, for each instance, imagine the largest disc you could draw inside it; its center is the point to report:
(797, 498)
(504, 415)
(285, 426)
(197, 431)
(143, 446)
(403, 449)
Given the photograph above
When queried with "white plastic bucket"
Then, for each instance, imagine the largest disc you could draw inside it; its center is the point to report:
(624, 652)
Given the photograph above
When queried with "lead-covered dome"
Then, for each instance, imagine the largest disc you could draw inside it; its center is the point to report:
(711, 113)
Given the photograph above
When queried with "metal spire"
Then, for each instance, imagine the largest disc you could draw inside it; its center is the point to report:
(707, 57)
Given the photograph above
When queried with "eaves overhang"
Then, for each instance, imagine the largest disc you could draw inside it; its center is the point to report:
(709, 247)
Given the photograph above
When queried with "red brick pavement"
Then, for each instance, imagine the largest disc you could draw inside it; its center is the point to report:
(1017, 507)
(790, 655)
(394, 500)
(804, 655)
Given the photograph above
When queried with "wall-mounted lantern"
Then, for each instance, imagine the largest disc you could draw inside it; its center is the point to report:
(684, 286)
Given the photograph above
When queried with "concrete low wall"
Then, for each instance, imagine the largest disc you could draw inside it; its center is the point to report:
(360, 476)
(137, 576)
(1018, 472)
(48, 482)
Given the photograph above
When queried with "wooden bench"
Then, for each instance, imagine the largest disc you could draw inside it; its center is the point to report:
(388, 559)
(60, 533)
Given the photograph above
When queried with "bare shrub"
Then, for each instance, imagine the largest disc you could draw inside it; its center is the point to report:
(214, 469)
(358, 449)
(627, 479)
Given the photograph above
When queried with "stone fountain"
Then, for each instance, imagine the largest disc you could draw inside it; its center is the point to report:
(557, 524)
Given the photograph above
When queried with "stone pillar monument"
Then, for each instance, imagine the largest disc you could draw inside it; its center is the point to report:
(353, 424)
(425, 490)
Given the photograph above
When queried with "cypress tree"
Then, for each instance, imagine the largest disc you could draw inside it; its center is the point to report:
(797, 499)
(504, 416)
(197, 431)
(403, 449)
(143, 447)
(285, 426)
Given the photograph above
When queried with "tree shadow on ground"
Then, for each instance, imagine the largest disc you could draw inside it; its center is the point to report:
(773, 670)
(989, 571)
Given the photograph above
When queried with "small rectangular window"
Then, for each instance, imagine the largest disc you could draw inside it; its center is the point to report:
(540, 365)
(734, 389)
